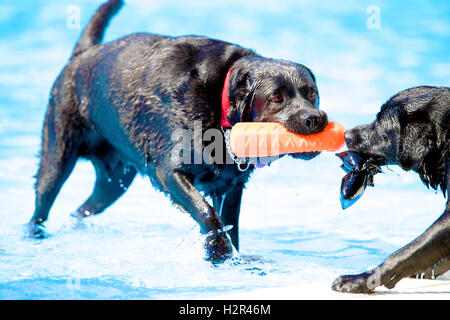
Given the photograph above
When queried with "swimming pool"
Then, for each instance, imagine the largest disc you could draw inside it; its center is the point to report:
(292, 228)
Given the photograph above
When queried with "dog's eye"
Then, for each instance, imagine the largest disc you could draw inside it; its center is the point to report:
(312, 92)
(277, 98)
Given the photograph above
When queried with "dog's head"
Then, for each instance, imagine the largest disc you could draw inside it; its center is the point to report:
(267, 90)
(411, 130)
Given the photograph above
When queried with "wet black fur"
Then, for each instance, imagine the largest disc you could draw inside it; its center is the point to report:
(118, 104)
(411, 130)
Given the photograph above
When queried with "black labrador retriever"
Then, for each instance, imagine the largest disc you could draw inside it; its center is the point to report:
(411, 130)
(119, 104)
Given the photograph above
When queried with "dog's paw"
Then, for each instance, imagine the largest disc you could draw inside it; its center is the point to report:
(360, 283)
(35, 231)
(218, 248)
(83, 213)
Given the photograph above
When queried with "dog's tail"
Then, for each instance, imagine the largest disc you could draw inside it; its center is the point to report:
(94, 31)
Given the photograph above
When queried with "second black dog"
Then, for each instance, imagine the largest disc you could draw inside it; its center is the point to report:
(411, 130)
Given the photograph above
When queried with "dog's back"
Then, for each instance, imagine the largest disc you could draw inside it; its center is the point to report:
(117, 104)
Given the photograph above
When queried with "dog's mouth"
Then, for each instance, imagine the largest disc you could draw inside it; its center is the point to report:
(375, 157)
(304, 155)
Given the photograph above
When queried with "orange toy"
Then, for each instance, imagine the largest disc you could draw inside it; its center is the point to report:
(263, 139)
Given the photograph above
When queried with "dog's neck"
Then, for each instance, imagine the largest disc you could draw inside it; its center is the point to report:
(226, 125)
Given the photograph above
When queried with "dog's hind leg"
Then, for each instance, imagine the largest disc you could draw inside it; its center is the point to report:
(113, 179)
(59, 153)
(54, 169)
(184, 194)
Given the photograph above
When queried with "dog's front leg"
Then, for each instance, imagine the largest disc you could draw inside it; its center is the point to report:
(183, 193)
(230, 212)
(426, 250)
(423, 252)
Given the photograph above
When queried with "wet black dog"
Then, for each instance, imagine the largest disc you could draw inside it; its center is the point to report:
(411, 130)
(118, 105)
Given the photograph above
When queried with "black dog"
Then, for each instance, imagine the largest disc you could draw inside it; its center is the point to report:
(118, 105)
(411, 130)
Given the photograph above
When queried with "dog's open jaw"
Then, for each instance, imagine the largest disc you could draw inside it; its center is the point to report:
(360, 171)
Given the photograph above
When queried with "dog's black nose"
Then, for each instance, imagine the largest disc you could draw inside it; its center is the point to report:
(315, 122)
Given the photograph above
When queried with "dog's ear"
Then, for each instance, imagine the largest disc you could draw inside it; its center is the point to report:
(420, 133)
(414, 146)
(241, 96)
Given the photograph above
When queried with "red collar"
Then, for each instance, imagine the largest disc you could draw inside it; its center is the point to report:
(226, 106)
(226, 101)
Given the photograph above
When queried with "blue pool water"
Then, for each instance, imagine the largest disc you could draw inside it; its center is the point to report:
(293, 231)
